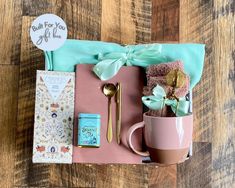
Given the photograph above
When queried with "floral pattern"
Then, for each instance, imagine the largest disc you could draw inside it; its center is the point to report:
(53, 126)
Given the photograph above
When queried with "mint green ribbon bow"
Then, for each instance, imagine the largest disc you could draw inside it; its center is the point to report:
(110, 63)
(158, 100)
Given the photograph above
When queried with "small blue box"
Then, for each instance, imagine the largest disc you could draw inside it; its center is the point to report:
(88, 130)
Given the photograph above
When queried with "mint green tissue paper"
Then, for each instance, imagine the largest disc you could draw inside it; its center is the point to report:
(110, 57)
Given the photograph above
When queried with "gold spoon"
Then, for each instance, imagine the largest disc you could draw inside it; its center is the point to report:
(109, 91)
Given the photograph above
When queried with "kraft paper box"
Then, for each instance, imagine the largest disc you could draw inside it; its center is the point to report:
(54, 114)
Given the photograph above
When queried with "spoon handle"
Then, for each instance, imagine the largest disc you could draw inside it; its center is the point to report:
(110, 131)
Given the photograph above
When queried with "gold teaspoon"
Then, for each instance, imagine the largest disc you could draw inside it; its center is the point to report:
(109, 91)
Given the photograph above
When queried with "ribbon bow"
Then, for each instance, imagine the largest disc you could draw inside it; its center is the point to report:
(158, 100)
(110, 63)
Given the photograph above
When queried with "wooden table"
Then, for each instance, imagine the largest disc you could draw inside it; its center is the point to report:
(124, 21)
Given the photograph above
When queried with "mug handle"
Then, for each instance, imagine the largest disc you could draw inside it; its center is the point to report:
(130, 132)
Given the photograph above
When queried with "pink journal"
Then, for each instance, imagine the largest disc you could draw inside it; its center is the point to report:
(90, 99)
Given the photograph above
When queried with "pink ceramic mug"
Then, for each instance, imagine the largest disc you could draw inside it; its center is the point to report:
(167, 138)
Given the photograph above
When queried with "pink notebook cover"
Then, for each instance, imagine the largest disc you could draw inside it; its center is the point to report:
(90, 99)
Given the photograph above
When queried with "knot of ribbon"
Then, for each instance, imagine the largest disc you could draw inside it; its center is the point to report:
(109, 63)
(159, 99)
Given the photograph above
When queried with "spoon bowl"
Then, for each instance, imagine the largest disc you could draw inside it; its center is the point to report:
(109, 90)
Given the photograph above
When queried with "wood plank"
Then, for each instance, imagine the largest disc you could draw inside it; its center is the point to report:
(165, 20)
(10, 19)
(196, 26)
(196, 172)
(75, 175)
(86, 175)
(36, 8)
(110, 25)
(223, 151)
(83, 18)
(8, 109)
(162, 177)
(126, 22)
(115, 176)
(26, 173)
(141, 12)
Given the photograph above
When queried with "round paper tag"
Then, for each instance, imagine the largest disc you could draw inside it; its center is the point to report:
(48, 32)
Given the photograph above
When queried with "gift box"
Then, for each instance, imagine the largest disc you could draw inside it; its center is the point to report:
(97, 63)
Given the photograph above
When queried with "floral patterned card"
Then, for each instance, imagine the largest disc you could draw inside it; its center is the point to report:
(54, 114)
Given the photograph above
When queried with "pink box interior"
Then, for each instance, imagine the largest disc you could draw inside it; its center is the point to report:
(90, 99)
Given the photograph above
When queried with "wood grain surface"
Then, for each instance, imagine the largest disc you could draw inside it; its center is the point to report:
(8, 114)
(10, 19)
(223, 151)
(128, 22)
(165, 20)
